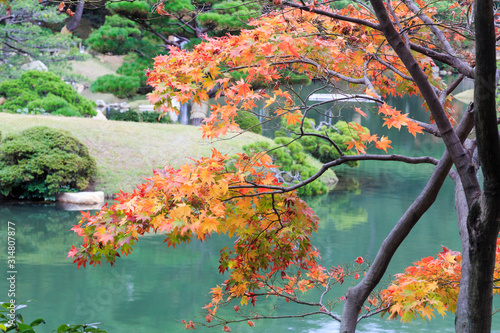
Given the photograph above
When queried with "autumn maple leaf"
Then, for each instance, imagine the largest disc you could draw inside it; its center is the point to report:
(383, 143)
(414, 128)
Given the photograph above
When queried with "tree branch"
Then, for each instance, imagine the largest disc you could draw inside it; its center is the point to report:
(339, 161)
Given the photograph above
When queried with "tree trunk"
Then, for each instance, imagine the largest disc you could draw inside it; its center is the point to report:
(483, 221)
(75, 20)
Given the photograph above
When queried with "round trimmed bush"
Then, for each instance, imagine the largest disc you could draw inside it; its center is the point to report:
(248, 121)
(36, 90)
(41, 161)
(121, 86)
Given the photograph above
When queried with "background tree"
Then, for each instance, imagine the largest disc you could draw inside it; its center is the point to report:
(144, 29)
(24, 36)
(385, 49)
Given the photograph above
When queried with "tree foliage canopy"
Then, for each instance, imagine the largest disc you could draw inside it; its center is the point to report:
(24, 36)
(381, 50)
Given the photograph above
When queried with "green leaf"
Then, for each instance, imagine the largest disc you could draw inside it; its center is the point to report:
(37, 322)
(24, 327)
(63, 328)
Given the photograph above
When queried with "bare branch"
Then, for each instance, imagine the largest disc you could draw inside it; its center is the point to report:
(308, 8)
(339, 161)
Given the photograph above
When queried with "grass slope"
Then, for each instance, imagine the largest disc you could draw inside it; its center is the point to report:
(127, 152)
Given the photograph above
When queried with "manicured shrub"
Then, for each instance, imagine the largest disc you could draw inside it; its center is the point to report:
(41, 161)
(293, 164)
(140, 117)
(319, 148)
(248, 121)
(36, 90)
(121, 86)
(118, 35)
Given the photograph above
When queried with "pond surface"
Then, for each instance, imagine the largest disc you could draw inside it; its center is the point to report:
(155, 287)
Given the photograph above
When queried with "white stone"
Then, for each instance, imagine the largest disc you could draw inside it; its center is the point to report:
(82, 198)
(78, 87)
(100, 103)
(78, 207)
(36, 65)
(146, 107)
(99, 115)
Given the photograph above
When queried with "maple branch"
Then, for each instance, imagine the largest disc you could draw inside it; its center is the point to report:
(454, 62)
(257, 317)
(329, 71)
(450, 138)
(322, 12)
(391, 67)
(398, 23)
(369, 314)
(338, 161)
(431, 129)
(437, 32)
(368, 83)
(451, 87)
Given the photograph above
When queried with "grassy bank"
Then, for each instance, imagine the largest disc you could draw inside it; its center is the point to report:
(126, 152)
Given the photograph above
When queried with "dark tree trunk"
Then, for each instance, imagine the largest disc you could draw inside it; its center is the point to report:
(484, 215)
(75, 20)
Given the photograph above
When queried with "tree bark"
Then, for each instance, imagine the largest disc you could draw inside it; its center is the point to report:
(483, 221)
(453, 145)
(75, 20)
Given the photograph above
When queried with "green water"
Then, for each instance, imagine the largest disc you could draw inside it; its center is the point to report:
(154, 288)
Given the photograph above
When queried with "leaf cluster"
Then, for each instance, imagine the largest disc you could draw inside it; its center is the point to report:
(17, 324)
(40, 162)
(430, 284)
(44, 90)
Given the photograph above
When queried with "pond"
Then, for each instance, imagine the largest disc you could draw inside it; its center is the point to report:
(153, 289)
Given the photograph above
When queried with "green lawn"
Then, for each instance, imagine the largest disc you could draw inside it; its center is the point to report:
(126, 152)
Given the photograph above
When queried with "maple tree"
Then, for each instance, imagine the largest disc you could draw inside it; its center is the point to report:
(382, 50)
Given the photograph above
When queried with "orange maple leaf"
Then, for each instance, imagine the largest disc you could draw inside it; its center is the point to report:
(414, 128)
(293, 118)
(383, 143)
(358, 110)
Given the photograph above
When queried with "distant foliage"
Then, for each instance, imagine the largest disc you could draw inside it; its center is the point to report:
(120, 86)
(41, 161)
(341, 133)
(118, 35)
(293, 164)
(248, 121)
(121, 36)
(38, 92)
(24, 36)
(140, 117)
